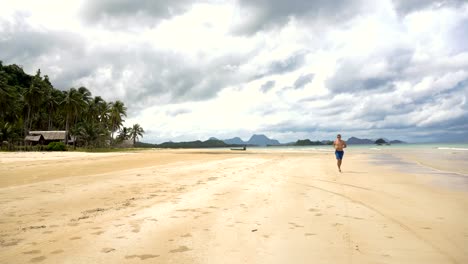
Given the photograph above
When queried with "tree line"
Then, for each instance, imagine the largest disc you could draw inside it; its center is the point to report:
(30, 102)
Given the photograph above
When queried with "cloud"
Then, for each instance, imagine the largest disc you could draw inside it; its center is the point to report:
(375, 71)
(407, 6)
(267, 86)
(131, 13)
(179, 111)
(264, 15)
(303, 80)
(194, 69)
(21, 42)
(281, 66)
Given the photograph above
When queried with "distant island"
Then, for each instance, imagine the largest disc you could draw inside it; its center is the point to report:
(257, 140)
(210, 143)
(359, 141)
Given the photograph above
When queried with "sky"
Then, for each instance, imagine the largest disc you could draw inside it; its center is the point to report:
(291, 70)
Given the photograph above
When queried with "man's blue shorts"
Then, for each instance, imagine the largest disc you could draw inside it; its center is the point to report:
(339, 154)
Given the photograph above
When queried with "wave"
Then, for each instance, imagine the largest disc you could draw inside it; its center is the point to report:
(447, 148)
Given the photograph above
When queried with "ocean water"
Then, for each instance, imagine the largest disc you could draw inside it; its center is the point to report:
(446, 163)
(372, 148)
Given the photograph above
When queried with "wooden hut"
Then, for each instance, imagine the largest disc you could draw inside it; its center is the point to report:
(45, 137)
(34, 139)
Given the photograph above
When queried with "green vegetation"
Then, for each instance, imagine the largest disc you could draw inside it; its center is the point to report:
(211, 143)
(380, 141)
(308, 142)
(30, 103)
(56, 146)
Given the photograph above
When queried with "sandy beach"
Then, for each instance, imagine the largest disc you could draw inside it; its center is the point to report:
(220, 206)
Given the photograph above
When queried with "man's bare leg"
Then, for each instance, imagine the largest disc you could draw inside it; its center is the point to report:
(339, 164)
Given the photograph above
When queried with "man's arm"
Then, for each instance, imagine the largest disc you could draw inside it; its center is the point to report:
(344, 144)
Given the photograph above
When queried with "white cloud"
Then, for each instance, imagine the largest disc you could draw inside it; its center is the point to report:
(194, 69)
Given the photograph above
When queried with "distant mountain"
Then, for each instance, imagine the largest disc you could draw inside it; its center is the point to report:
(213, 138)
(380, 141)
(355, 140)
(236, 140)
(262, 140)
(397, 142)
(308, 142)
(211, 143)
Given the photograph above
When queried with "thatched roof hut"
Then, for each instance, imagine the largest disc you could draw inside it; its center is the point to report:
(34, 138)
(45, 137)
(50, 135)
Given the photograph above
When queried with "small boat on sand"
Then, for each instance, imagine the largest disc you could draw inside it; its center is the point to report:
(243, 148)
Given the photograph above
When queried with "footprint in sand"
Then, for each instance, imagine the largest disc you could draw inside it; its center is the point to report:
(75, 238)
(141, 257)
(310, 234)
(295, 225)
(32, 252)
(180, 249)
(186, 235)
(58, 251)
(107, 250)
(136, 228)
(98, 233)
(37, 259)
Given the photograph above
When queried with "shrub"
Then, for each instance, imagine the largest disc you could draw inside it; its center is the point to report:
(56, 146)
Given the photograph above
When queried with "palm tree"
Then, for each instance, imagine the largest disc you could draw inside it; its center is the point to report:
(85, 94)
(6, 94)
(124, 133)
(136, 131)
(72, 104)
(117, 112)
(52, 101)
(85, 99)
(33, 98)
(104, 111)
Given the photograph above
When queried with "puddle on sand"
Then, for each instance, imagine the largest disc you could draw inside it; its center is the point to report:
(441, 178)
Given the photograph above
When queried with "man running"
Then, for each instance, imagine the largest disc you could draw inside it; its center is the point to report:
(339, 145)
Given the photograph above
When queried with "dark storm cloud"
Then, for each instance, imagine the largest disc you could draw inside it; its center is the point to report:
(303, 80)
(407, 6)
(360, 75)
(156, 74)
(22, 45)
(184, 80)
(123, 13)
(266, 14)
(398, 114)
(267, 86)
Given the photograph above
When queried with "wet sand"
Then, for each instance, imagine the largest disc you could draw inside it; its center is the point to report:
(211, 206)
